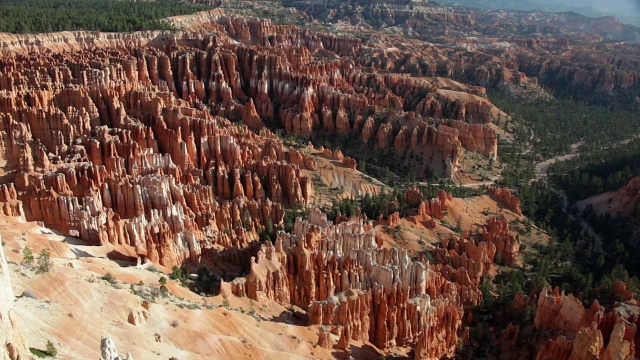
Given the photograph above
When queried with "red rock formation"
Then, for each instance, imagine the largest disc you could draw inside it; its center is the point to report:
(559, 311)
(141, 315)
(505, 195)
(338, 156)
(464, 253)
(350, 162)
(133, 165)
(621, 291)
(619, 347)
(438, 337)
(559, 348)
(324, 338)
(9, 203)
(250, 116)
(333, 155)
(350, 308)
(436, 206)
(268, 277)
(342, 121)
(465, 260)
(497, 232)
(477, 138)
(588, 344)
(360, 291)
(368, 129)
(394, 219)
(598, 334)
(384, 136)
(413, 196)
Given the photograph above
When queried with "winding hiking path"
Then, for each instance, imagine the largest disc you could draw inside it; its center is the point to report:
(542, 167)
(541, 173)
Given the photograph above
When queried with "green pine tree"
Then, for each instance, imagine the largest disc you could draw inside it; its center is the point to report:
(27, 256)
(44, 261)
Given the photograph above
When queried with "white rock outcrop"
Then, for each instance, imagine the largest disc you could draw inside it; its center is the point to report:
(12, 343)
(109, 351)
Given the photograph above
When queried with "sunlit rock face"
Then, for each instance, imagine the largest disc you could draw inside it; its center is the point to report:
(12, 343)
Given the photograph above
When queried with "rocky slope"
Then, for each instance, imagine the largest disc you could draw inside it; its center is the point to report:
(625, 201)
(319, 270)
(12, 342)
(74, 307)
(619, 208)
(184, 149)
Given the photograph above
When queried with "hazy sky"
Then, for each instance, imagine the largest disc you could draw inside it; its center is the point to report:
(626, 10)
(603, 5)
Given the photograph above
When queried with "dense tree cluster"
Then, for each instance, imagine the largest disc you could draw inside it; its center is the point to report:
(388, 202)
(597, 170)
(34, 16)
(517, 158)
(556, 125)
(574, 259)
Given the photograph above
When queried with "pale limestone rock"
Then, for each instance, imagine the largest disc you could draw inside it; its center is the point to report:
(12, 343)
(109, 352)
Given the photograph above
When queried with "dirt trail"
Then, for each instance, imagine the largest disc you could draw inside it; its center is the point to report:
(542, 167)
(541, 170)
(541, 173)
